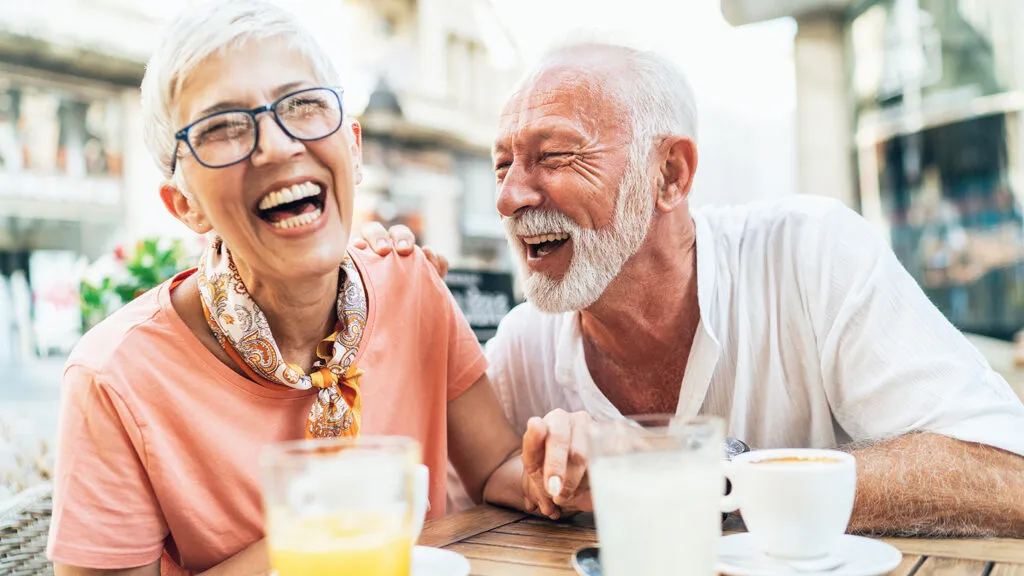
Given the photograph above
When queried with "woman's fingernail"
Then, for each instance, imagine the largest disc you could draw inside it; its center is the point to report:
(382, 244)
(554, 486)
(403, 244)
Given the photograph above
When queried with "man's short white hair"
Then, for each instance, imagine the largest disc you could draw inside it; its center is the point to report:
(200, 32)
(655, 92)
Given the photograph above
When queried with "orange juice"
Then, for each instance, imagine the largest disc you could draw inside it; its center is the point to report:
(385, 558)
(360, 545)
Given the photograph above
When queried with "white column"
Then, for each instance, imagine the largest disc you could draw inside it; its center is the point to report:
(824, 117)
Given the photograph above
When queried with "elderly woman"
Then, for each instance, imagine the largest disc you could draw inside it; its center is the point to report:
(280, 332)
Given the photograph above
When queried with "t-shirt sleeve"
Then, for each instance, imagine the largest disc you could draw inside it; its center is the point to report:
(466, 360)
(890, 360)
(105, 514)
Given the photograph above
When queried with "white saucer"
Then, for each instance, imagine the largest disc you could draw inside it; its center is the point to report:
(428, 561)
(854, 556)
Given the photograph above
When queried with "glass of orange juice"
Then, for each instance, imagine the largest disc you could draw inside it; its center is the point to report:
(340, 506)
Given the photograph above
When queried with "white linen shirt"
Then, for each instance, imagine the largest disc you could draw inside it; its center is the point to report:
(811, 334)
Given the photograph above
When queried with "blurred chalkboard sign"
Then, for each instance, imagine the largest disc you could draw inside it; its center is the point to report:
(484, 297)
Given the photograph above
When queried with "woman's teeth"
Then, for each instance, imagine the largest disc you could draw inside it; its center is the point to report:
(300, 220)
(289, 194)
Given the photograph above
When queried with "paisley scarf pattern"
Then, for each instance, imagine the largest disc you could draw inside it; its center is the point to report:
(242, 330)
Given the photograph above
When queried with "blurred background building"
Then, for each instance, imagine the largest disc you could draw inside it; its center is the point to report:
(911, 111)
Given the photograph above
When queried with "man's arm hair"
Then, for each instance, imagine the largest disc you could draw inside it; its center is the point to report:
(924, 484)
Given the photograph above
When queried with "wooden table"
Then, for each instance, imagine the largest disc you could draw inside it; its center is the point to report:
(503, 543)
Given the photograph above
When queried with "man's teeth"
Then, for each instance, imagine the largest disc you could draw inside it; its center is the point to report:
(300, 220)
(545, 238)
(289, 194)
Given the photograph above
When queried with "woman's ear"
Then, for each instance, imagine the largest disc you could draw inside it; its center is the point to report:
(185, 209)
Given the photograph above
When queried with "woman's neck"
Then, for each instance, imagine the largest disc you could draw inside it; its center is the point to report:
(300, 313)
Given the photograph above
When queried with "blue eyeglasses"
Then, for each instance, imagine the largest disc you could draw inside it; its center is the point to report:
(229, 137)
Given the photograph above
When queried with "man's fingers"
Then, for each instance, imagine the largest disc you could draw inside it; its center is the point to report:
(403, 239)
(583, 502)
(377, 237)
(545, 504)
(556, 451)
(533, 446)
(576, 470)
(439, 262)
(536, 500)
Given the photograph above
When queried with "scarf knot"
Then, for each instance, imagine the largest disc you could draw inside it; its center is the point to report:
(323, 378)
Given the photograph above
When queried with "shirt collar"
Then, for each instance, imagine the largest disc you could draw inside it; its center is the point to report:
(707, 273)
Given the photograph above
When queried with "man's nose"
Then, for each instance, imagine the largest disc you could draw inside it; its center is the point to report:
(273, 143)
(517, 192)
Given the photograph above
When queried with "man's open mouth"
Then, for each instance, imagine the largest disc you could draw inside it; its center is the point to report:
(544, 244)
(293, 206)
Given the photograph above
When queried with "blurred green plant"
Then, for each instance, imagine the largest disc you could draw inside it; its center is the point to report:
(118, 278)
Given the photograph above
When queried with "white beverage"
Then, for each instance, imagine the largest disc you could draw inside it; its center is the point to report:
(657, 513)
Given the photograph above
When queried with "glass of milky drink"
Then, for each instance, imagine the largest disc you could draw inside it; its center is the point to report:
(657, 484)
(796, 503)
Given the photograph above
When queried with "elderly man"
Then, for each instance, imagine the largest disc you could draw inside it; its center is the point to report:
(793, 321)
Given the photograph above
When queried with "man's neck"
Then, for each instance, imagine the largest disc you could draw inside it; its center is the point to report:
(650, 310)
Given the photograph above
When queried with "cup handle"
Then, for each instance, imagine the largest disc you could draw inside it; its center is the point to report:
(729, 501)
(421, 499)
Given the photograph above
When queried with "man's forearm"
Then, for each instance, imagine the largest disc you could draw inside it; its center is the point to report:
(932, 485)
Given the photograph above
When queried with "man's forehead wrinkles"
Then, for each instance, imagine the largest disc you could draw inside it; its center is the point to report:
(550, 108)
(546, 97)
(570, 99)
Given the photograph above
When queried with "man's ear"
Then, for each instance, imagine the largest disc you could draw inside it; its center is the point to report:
(356, 151)
(678, 165)
(184, 209)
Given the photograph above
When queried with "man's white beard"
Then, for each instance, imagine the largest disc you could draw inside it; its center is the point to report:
(598, 255)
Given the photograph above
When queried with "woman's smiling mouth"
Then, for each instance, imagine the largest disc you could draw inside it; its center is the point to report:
(295, 206)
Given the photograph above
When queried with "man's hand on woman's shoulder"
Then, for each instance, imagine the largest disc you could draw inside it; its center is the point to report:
(399, 239)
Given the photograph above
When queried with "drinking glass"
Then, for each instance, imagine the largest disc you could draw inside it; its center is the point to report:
(657, 484)
(340, 506)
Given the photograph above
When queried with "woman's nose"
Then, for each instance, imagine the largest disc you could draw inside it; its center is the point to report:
(273, 144)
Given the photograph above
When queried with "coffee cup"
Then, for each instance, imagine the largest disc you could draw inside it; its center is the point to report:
(796, 503)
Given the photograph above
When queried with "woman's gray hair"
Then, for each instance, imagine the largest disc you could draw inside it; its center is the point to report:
(654, 91)
(200, 32)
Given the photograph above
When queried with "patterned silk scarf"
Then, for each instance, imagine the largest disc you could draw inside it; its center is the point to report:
(243, 332)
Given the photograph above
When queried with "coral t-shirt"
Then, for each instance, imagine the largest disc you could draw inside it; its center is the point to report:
(159, 441)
